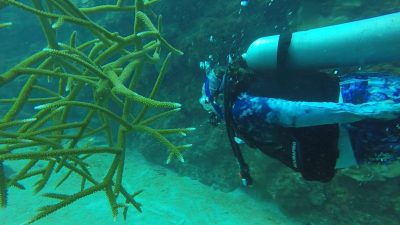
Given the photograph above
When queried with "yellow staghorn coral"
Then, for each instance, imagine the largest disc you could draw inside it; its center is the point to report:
(4, 25)
(58, 133)
(3, 187)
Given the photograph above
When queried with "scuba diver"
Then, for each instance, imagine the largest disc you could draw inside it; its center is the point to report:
(276, 99)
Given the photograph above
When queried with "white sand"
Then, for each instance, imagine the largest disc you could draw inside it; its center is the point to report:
(168, 199)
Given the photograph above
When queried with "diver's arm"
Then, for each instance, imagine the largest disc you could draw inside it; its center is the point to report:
(303, 114)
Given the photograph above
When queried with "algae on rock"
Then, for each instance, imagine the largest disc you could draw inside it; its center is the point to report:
(108, 67)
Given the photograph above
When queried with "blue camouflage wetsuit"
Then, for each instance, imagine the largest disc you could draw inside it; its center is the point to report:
(367, 113)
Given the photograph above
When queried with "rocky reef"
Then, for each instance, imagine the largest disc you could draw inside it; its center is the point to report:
(214, 29)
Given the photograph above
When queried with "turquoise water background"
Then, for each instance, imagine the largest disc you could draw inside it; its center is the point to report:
(211, 30)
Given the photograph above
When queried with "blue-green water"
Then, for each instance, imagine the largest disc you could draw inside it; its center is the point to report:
(205, 189)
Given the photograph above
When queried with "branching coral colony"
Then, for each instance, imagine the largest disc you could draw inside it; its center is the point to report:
(108, 69)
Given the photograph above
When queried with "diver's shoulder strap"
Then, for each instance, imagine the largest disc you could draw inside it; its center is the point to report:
(229, 93)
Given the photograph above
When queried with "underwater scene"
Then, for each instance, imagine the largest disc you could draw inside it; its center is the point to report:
(224, 112)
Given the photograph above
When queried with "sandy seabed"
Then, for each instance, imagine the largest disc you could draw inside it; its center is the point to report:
(168, 199)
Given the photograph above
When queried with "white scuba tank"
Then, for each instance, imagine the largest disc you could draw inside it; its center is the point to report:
(369, 41)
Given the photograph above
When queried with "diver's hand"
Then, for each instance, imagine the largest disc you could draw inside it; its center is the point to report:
(386, 110)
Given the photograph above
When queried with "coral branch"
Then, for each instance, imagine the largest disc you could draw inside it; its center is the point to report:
(83, 93)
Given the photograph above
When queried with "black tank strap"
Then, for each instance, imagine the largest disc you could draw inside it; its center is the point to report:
(283, 50)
